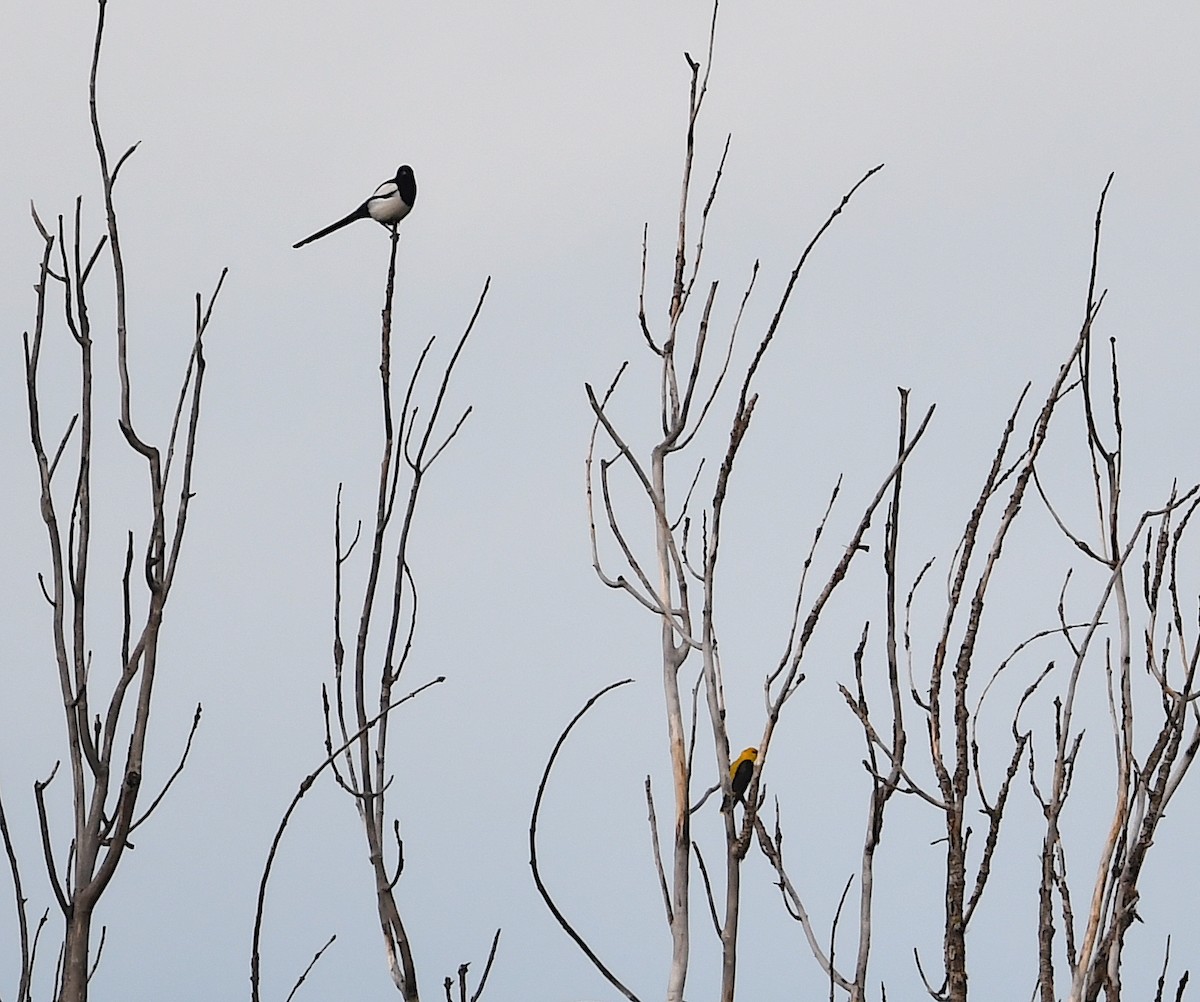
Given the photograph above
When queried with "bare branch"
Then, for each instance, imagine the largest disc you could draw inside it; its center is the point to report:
(311, 964)
(39, 788)
(304, 787)
(533, 861)
(773, 850)
(25, 976)
(658, 863)
(708, 890)
(487, 969)
(174, 775)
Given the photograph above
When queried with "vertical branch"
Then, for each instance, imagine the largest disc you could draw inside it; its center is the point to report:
(672, 581)
(412, 447)
(883, 787)
(107, 180)
(372, 761)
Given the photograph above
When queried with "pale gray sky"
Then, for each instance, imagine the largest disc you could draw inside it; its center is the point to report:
(543, 135)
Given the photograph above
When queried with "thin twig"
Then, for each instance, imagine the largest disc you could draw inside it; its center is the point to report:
(311, 964)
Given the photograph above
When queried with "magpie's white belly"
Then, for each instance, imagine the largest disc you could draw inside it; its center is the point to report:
(386, 205)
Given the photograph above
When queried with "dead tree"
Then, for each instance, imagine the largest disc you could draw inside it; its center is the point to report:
(412, 443)
(1161, 696)
(358, 706)
(949, 701)
(107, 696)
(675, 578)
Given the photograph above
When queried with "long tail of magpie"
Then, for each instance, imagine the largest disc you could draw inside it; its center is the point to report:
(359, 213)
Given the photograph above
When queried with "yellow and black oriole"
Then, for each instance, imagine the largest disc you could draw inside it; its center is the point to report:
(739, 777)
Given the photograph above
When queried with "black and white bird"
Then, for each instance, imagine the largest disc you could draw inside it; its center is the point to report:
(392, 201)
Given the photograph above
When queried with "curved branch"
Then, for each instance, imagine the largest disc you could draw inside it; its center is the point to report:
(305, 786)
(533, 861)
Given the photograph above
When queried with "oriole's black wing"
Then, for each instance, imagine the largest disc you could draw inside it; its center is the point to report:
(738, 782)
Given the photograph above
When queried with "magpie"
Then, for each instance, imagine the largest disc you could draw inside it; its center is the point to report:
(392, 201)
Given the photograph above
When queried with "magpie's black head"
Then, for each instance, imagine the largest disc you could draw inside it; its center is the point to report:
(406, 184)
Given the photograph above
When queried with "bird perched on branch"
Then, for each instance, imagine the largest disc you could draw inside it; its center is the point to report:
(392, 201)
(739, 777)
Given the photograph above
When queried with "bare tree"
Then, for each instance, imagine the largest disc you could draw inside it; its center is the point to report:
(1162, 697)
(676, 580)
(949, 703)
(106, 700)
(412, 443)
(365, 678)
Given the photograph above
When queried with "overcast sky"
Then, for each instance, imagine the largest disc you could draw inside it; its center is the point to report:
(543, 136)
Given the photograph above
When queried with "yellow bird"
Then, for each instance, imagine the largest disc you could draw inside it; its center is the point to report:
(739, 777)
